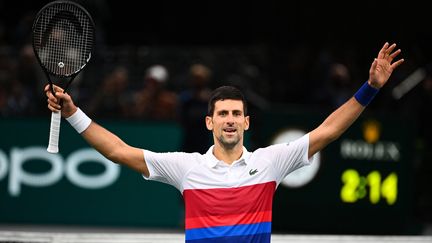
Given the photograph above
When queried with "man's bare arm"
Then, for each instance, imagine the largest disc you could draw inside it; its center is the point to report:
(334, 125)
(343, 117)
(115, 149)
(105, 142)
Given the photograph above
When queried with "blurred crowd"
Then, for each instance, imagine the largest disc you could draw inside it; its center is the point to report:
(173, 83)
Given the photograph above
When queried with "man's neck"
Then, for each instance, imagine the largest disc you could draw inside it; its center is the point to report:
(228, 155)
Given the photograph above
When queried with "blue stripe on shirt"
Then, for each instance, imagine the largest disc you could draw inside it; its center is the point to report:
(232, 230)
(257, 238)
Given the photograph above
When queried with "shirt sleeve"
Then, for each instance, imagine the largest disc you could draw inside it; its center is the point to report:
(168, 168)
(288, 157)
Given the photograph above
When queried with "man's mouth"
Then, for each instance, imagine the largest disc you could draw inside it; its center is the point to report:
(230, 131)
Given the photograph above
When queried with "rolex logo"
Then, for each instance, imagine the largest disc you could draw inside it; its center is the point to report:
(371, 131)
(253, 171)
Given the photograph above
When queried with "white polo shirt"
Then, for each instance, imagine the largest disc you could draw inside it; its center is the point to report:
(228, 203)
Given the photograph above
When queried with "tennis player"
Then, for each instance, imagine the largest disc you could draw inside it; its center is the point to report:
(228, 191)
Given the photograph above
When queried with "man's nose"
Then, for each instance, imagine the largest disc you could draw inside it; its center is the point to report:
(230, 123)
(230, 120)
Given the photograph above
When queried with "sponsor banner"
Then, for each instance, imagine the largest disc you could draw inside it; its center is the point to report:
(362, 183)
(78, 186)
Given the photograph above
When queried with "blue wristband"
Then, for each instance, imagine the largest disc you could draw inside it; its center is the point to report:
(365, 94)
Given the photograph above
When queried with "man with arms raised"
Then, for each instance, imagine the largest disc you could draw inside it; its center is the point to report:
(228, 191)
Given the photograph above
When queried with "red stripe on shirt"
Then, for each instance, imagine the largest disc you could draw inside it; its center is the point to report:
(235, 219)
(221, 202)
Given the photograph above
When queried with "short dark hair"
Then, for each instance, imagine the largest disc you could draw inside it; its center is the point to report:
(225, 93)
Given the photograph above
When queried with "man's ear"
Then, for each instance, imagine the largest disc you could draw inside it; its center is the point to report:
(246, 123)
(209, 123)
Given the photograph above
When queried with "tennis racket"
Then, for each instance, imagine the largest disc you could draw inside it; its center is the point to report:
(63, 37)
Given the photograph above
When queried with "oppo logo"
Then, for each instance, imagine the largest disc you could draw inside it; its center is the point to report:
(68, 167)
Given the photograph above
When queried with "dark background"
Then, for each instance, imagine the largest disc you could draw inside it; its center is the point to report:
(245, 22)
(290, 43)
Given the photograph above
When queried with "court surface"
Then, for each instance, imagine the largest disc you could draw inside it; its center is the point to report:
(57, 234)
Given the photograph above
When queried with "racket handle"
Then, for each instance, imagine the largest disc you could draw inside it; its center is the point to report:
(54, 133)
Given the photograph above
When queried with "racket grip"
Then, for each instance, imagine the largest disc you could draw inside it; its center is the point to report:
(54, 133)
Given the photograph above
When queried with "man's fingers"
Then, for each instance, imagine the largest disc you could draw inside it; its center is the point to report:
(53, 100)
(394, 54)
(373, 66)
(381, 53)
(55, 87)
(390, 49)
(58, 96)
(397, 63)
(51, 96)
(58, 89)
(58, 93)
(62, 95)
(53, 108)
(54, 104)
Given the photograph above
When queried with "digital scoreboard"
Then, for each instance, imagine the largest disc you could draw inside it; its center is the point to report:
(359, 184)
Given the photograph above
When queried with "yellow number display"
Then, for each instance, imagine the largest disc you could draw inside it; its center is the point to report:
(389, 188)
(355, 187)
(351, 180)
(374, 182)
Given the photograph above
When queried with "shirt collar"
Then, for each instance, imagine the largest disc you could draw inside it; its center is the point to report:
(212, 161)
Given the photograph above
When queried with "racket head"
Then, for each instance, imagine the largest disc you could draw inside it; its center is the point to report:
(63, 37)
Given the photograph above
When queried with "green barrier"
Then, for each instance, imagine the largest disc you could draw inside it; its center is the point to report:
(362, 183)
(78, 186)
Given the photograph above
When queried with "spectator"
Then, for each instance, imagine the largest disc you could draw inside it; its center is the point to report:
(194, 107)
(340, 84)
(19, 100)
(154, 100)
(3, 100)
(113, 97)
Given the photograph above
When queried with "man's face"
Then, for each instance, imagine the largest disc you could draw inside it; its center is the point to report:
(228, 123)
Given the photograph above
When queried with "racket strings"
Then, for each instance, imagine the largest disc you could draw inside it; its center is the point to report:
(63, 38)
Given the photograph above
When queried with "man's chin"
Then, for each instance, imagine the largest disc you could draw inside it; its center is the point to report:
(230, 143)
